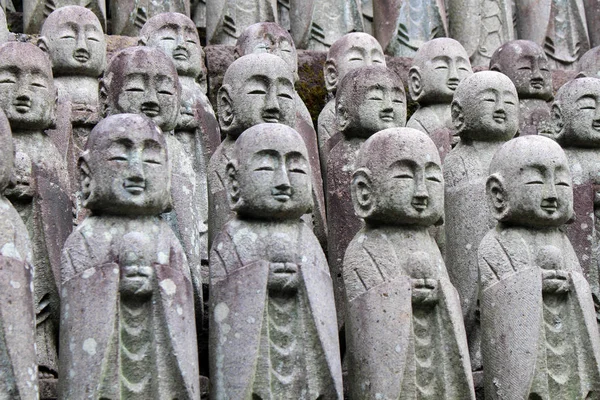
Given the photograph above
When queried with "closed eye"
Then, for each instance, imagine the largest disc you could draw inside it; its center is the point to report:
(298, 171)
(93, 39)
(404, 176)
(7, 80)
(165, 92)
(167, 38)
(152, 162)
(510, 102)
(134, 89)
(524, 68)
(534, 183)
(264, 168)
(285, 95)
(257, 91)
(67, 37)
(191, 41)
(434, 179)
(356, 59)
(587, 107)
(118, 158)
(375, 98)
(565, 184)
(441, 67)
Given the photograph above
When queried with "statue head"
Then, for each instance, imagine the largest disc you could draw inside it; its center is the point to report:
(268, 37)
(176, 35)
(124, 167)
(353, 50)
(27, 92)
(136, 269)
(398, 179)
(438, 67)
(142, 80)
(525, 63)
(256, 88)
(370, 99)
(486, 107)
(8, 152)
(589, 63)
(576, 113)
(270, 176)
(530, 183)
(73, 38)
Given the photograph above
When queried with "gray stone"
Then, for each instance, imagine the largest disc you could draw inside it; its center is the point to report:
(589, 64)
(226, 20)
(527, 67)
(127, 311)
(4, 33)
(17, 315)
(366, 7)
(557, 26)
(402, 26)
(36, 11)
(129, 16)
(368, 100)
(539, 334)
(352, 51)
(273, 330)
(40, 191)
(485, 113)
(481, 26)
(404, 330)
(592, 16)
(438, 67)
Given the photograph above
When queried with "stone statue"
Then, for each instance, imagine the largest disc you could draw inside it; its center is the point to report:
(273, 330)
(73, 38)
(36, 11)
(366, 7)
(268, 37)
(351, 51)
(257, 88)
(4, 33)
(559, 26)
(17, 316)
(438, 67)
(41, 192)
(127, 311)
(405, 334)
(402, 26)
(490, 24)
(526, 65)
(368, 100)
(485, 113)
(592, 16)
(227, 19)
(129, 16)
(143, 80)
(589, 63)
(317, 24)
(539, 334)
(576, 120)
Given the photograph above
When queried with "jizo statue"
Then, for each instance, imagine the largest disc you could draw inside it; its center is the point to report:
(539, 333)
(35, 12)
(527, 67)
(40, 190)
(404, 329)
(368, 100)
(127, 314)
(273, 329)
(438, 67)
(351, 51)
(226, 20)
(485, 113)
(129, 16)
(17, 315)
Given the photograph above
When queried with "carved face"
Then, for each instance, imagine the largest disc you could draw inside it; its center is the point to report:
(580, 105)
(357, 50)
(27, 93)
(128, 172)
(136, 273)
(273, 174)
(75, 42)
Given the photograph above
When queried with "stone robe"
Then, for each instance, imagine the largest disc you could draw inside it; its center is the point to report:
(227, 19)
(36, 11)
(438, 128)
(128, 16)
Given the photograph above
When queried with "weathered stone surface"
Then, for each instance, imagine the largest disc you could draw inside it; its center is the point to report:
(226, 20)
(402, 26)
(4, 33)
(485, 113)
(127, 314)
(129, 16)
(592, 17)
(404, 326)
(17, 316)
(589, 64)
(273, 329)
(527, 67)
(40, 191)
(539, 332)
(368, 100)
(36, 11)
(437, 69)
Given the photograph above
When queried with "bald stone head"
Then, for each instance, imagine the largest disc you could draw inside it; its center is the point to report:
(142, 80)
(257, 88)
(525, 63)
(530, 183)
(486, 107)
(268, 37)
(438, 67)
(398, 179)
(73, 38)
(270, 176)
(124, 167)
(27, 92)
(353, 50)
(176, 35)
(576, 113)
(589, 63)
(370, 99)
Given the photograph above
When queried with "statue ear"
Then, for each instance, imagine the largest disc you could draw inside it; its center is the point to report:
(558, 123)
(103, 97)
(232, 183)
(458, 116)
(225, 107)
(342, 117)
(86, 178)
(42, 43)
(496, 194)
(414, 83)
(495, 67)
(361, 189)
(331, 76)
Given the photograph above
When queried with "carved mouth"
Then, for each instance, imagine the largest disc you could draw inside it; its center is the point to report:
(150, 110)
(537, 83)
(288, 269)
(181, 55)
(135, 188)
(272, 118)
(499, 117)
(22, 106)
(281, 196)
(81, 56)
(549, 206)
(386, 117)
(452, 85)
(419, 205)
(596, 125)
